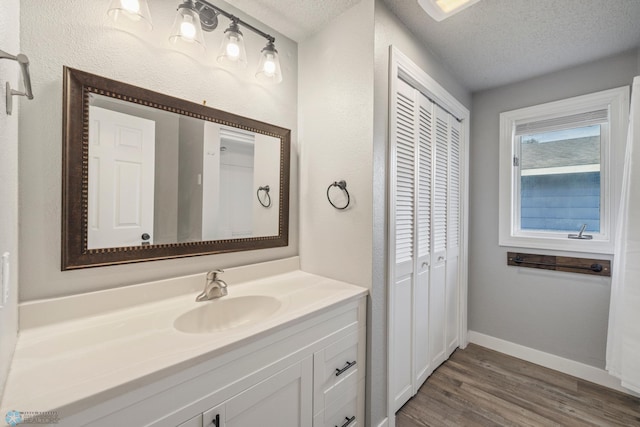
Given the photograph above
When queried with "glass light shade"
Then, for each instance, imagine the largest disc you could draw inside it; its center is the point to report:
(269, 67)
(232, 51)
(131, 14)
(186, 33)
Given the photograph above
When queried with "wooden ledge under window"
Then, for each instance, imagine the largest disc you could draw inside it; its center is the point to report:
(596, 267)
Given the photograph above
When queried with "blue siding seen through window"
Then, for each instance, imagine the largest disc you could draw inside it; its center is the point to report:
(561, 202)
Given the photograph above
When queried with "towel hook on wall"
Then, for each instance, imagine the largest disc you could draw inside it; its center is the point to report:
(24, 66)
(343, 186)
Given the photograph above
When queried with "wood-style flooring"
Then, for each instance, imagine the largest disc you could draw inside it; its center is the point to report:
(481, 387)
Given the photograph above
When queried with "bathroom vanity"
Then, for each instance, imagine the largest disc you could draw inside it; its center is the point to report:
(284, 348)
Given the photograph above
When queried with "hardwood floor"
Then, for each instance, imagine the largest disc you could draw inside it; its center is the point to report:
(481, 387)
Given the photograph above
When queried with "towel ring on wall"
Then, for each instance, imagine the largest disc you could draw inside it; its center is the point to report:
(266, 190)
(343, 186)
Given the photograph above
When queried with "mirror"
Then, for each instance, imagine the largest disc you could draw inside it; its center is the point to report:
(147, 176)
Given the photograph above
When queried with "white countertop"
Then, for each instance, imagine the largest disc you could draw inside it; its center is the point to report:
(73, 364)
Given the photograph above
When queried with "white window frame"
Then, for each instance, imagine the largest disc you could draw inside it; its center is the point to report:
(612, 146)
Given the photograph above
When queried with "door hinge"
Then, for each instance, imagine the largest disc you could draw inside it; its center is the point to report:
(516, 161)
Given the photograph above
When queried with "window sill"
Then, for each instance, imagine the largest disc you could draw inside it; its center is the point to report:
(604, 247)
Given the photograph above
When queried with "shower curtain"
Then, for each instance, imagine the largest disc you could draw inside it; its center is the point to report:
(623, 341)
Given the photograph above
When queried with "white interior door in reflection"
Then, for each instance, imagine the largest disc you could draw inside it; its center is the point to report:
(237, 155)
(121, 179)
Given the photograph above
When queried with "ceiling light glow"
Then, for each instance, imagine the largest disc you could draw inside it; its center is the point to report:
(442, 9)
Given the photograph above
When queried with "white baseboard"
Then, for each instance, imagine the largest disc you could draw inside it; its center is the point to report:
(567, 366)
(384, 423)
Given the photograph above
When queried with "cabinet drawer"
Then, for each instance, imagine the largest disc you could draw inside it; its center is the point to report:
(335, 363)
(193, 422)
(339, 415)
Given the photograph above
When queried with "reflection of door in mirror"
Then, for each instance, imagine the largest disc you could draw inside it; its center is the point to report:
(235, 211)
(215, 182)
(121, 179)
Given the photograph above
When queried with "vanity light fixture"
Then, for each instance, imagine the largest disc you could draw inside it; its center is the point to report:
(186, 31)
(135, 12)
(232, 52)
(269, 66)
(195, 16)
(442, 9)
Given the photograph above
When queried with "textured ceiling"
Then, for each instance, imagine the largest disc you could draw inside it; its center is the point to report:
(296, 19)
(491, 43)
(496, 42)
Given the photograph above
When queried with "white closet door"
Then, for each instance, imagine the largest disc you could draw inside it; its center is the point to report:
(437, 290)
(403, 213)
(421, 362)
(453, 236)
(424, 239)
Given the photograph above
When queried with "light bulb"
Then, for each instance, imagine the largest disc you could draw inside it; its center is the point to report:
(269, 66)
(186, 33)
(131, 6)
(187, 29)
(233, 50)
(232, 53)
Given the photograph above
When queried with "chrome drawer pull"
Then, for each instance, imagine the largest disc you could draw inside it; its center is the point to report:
(348, 422)
(346, 367)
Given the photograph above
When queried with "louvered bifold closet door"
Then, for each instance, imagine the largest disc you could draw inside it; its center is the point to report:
(437, 288)
(403, 148)
(422, 361)
(424, 238)
(453, 235)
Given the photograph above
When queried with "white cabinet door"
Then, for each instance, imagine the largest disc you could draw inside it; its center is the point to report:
(283, 400)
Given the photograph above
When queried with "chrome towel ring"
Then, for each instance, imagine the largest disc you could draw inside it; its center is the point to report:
(343, 186)
(266, 190)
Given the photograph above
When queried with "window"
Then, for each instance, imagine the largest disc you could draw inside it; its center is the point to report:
(560, 172)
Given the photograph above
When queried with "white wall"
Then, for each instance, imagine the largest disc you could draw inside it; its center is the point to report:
(211, 181)
(559, 313)
(190, 166)
(9, 72)
(267, 152)
(336, 113)
(336, 134)
(78, 34)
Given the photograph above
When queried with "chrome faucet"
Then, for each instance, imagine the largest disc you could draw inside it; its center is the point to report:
(214, 288)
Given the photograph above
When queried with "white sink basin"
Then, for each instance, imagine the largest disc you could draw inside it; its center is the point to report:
(227, 313)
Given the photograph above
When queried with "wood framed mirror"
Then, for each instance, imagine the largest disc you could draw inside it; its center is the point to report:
(147, 176)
